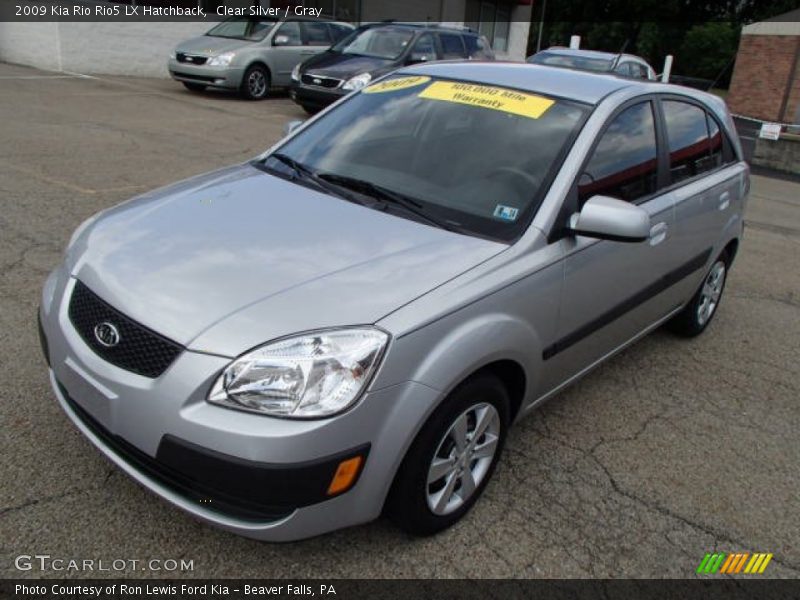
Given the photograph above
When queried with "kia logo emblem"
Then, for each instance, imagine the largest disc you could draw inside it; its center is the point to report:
(317, 81)
(107, 334)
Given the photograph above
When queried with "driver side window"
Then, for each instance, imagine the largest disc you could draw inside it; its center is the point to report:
(290, 30)
(624, 163)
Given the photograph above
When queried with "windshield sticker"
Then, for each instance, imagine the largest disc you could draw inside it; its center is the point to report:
(510, 101)
(506, 213)
(399, 83)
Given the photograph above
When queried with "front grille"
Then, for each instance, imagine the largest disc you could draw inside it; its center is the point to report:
(138, 349)
(192, 59)
(156, 470)
(320, 81)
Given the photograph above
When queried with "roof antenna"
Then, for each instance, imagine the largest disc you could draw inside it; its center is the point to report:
(618, 56)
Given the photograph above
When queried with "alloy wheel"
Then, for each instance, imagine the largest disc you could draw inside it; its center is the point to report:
(463, 458)
(711, 292)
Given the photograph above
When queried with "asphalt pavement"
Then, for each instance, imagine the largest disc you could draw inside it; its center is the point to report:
(672, 449)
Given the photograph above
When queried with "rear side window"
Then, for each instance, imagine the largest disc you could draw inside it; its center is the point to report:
(624, 163)
(452, 46)
(338, 31)
(477, 47)
(690, 152)
(315, 34)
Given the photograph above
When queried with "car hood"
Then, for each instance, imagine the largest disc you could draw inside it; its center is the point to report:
(232, 259)
(207, 45)
(344, 66)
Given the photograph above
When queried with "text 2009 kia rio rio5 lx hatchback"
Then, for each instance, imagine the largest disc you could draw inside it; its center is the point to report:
(350, 323)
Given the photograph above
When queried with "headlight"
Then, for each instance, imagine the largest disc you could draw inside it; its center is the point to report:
(312, 375)
(357, 82)
(221, 60)
(296, 73)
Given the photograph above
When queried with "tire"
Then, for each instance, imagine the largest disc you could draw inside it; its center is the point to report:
(194, 87)
(695, 317)
(419, 502)
(255, 83)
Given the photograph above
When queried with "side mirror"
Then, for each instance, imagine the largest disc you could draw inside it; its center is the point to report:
(611, 219)
(418, 57)
(291, 126)
(281, 40)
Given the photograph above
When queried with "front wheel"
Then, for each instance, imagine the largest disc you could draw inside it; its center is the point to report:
(696, 316)
(452, 458)
(256, 82)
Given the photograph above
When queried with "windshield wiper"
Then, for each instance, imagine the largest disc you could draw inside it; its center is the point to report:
(301, 171)
(385, 195)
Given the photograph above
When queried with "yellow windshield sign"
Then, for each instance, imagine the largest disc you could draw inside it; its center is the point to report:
(484, 96)
(399, 83)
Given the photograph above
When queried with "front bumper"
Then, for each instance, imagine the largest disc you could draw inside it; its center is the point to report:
(257, 476)
(221, 77)
(313, 96)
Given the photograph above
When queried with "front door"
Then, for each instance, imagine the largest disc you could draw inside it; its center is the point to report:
(614, 290)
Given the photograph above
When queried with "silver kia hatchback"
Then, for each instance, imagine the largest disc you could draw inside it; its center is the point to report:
(349, 324)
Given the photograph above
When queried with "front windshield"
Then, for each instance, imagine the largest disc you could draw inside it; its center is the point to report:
(383, 42)
(474, 158)
(582, 63)
(242, 28)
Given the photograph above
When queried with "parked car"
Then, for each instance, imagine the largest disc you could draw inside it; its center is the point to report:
(350, 323)
(251, 55)
(626, 65)
(375, 50)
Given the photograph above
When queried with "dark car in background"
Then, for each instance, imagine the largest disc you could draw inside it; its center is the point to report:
(372, 51)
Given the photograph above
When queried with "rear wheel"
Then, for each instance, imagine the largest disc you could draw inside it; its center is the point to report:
(452, 458)
(194, 87)
(256, 82)
(696, 316)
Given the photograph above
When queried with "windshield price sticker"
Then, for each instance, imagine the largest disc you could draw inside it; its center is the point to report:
(400, 83)
(494, 98)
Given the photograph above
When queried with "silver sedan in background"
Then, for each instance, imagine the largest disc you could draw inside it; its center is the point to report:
(349, 324)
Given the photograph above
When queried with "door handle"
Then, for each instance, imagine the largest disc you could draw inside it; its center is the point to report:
(658, 233)
(724, 200)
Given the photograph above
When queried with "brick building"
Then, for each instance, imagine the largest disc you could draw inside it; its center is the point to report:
(766, 78)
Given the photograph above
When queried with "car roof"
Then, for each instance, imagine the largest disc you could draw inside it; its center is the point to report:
(582, 86)
(421, 26)
(589, 54)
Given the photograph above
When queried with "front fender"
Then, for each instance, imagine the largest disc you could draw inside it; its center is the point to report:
(443, 354)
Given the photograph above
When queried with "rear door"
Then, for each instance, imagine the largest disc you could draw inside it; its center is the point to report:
(614, 290)
(707, 191)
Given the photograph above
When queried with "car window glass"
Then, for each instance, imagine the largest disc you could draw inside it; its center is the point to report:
(290, 29)
(687, 134)
(623, 164)
(338, 31)
(315, 34)
(424, 48)
(477, 47)
(624, 69)
(452, 46)
(242, 29)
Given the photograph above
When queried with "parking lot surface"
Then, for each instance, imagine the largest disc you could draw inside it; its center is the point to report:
(672, 449)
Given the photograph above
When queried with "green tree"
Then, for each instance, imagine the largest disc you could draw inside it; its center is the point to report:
(709, 48)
